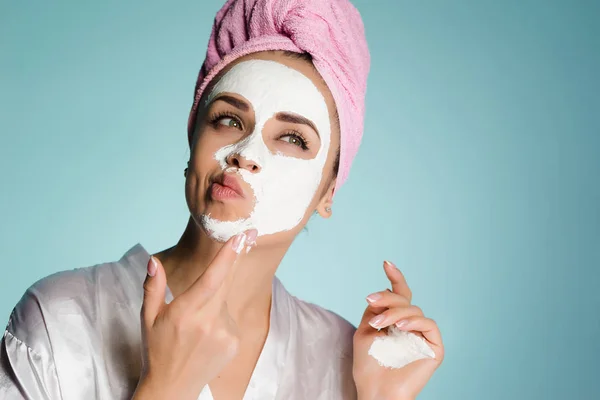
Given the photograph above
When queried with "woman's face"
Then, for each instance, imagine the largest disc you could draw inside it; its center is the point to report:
(264, 147)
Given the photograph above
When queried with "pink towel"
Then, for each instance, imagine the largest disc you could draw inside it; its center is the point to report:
(330, 30)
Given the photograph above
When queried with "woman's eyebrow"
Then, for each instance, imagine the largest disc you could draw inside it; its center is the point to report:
(237, 103)
(296, 119)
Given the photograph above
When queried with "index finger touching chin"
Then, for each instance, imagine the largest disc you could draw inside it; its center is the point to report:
(211, 282)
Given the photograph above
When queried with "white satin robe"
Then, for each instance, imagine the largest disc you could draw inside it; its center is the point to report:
(75, 335)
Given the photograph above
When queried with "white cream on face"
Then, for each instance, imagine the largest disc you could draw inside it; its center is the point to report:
(284, 186)
(399, 348)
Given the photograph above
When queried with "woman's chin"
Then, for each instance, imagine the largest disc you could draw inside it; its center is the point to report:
(226, 212)
(221, 230)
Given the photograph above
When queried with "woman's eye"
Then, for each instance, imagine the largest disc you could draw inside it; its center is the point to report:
(230, 122)
(295, 140)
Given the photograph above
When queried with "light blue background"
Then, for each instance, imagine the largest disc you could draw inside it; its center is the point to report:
(478, 174)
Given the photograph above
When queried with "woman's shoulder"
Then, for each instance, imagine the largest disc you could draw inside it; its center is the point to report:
(321, 324)
(315, 316)
(320, 347)
(73, 294)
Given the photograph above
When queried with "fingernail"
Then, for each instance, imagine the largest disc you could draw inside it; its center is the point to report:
(152, 266)
(390, 264)
(372, 298)
(377, 321)
(238, 242)
(251, 235)
(401, 323)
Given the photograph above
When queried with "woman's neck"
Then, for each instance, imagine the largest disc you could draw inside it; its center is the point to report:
(250, 295)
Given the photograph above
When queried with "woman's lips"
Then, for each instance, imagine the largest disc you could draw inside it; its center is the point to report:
(226, 188)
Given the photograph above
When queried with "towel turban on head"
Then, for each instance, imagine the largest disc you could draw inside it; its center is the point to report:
(331, 31)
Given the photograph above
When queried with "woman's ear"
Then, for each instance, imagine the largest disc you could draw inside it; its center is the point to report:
(324, 206)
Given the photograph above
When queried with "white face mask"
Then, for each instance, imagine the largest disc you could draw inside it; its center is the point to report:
(284, 186)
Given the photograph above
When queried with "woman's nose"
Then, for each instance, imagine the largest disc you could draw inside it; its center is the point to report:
(239, 161)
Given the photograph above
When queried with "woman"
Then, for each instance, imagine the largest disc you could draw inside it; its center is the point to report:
(276, 121)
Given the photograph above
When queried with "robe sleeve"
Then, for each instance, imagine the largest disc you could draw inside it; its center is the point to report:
(27, 368)
(24, 373)
(348, 387)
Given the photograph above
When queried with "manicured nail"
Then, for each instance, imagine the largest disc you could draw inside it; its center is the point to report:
(390, 264)
(372, 298)
(251, 235)
(402, 323)
(238, 242)
(152, 266)
(377, 321)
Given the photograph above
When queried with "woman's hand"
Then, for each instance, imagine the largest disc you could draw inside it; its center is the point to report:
(387, 308)
(190, 340)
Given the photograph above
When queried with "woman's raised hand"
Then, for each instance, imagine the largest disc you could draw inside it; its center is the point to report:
(190, 340)
(386, 308)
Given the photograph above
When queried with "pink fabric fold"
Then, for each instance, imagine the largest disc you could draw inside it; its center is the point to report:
(330, 30)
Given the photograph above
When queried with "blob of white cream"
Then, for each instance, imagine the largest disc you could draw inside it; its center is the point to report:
(399, 348)
(284, 186)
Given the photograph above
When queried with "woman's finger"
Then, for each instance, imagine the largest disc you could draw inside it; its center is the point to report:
(426, 326)
(399, 285)
(387, 299)
(154, 291)
(393, 315)
(370, 312)
(213, 284)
